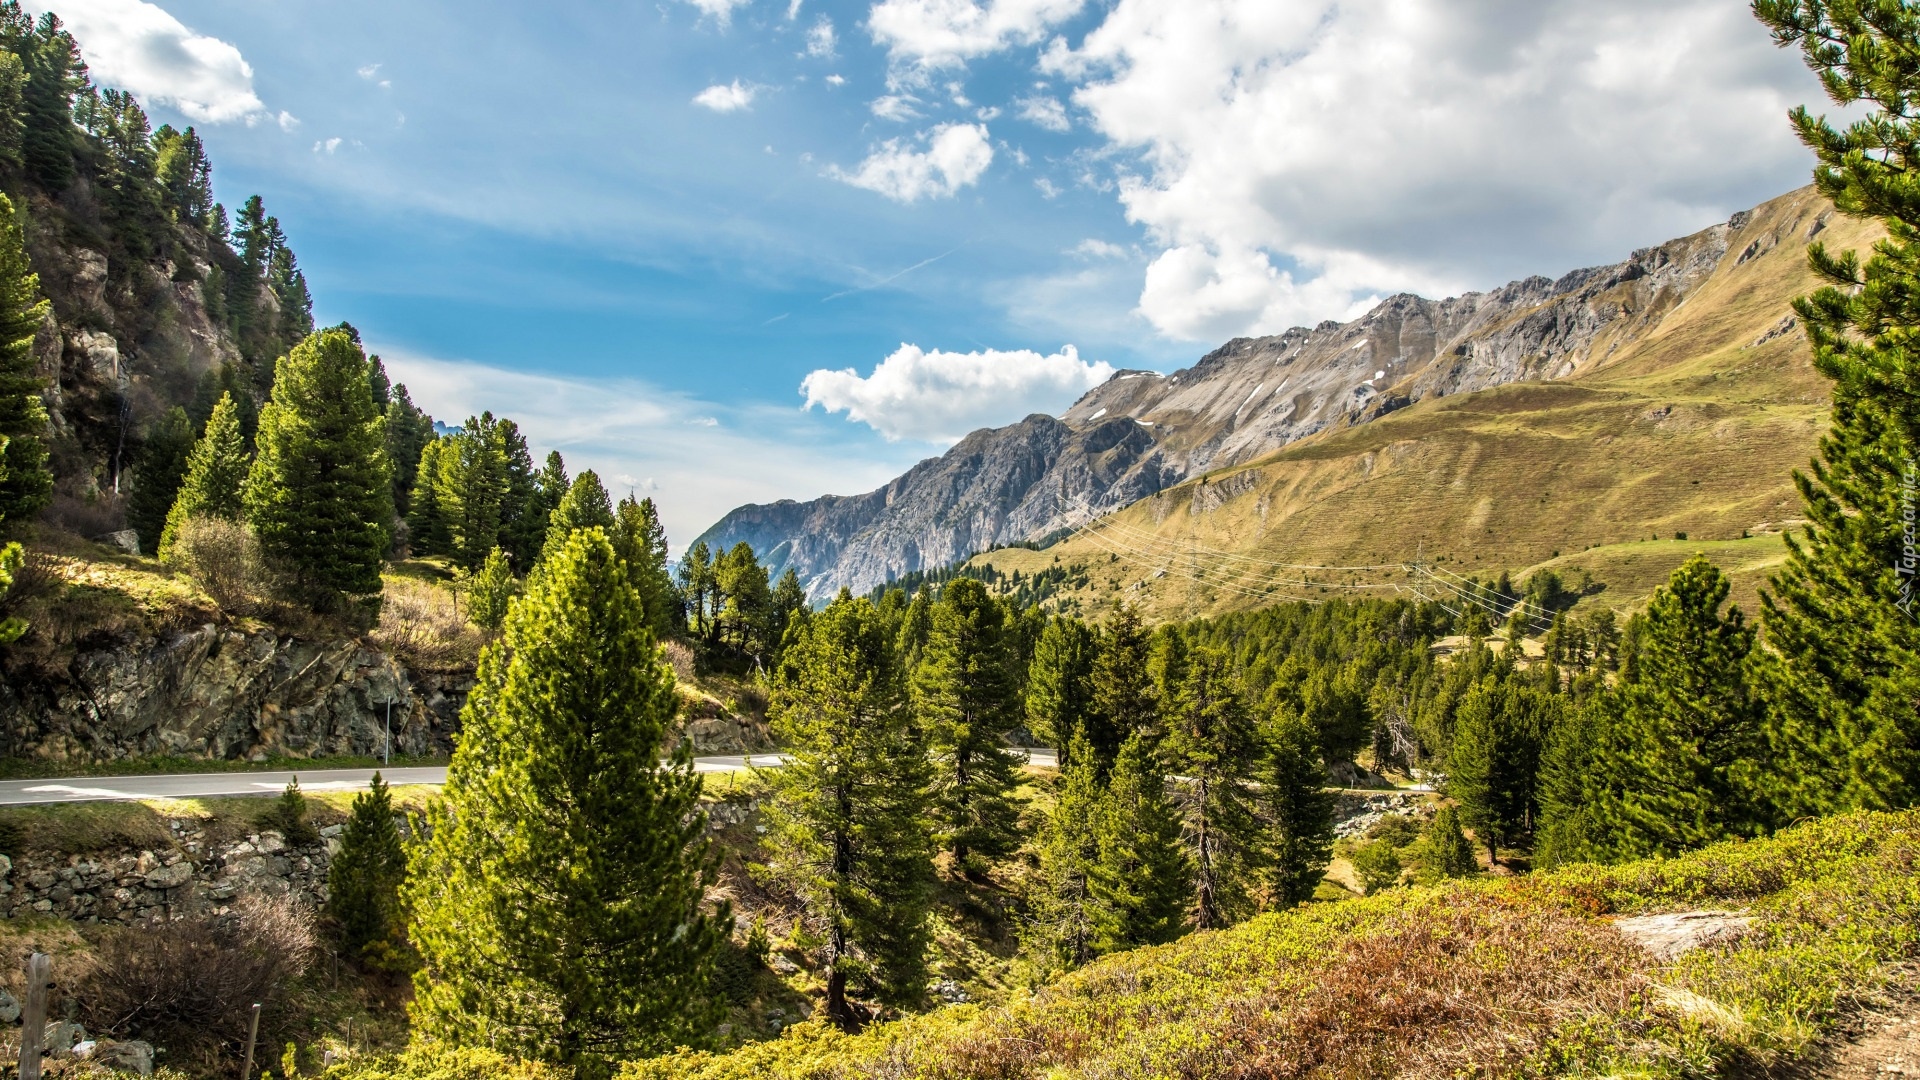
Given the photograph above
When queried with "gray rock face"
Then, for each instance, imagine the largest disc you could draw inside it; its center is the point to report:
(994, 486)
(1141, 432)
(217, 692)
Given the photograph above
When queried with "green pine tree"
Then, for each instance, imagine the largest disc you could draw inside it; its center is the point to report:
(1293, 799)
(847, 821)
(1377, 865)
(696, 581)
(1210, 742)
(471, 490)
(1572, 785)
(1060, 682)
(1058, 933)
(558, 902)
(157, 476)
(215, 482)
(408, 432)
(584, 506)
(916, 626)
(319, 493)
(1493, 766)
(1686, 762)
(967, 700)
(1141, 882)
(23, 420)
(490, 592)
(789, 604)
(1444, 851)
(1123, 699)
(428, 532)
(641, 542)
(364, 880)
(1843, 672)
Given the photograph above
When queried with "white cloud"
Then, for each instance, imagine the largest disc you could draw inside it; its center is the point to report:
(721, 10)
(956, 156)
(367, 71)
(1092, 248)
(836, 80)
(327, 146)
(697, 467)
(940, 396)
(898, 107)
(1296, 159)
(727, 97)
(1045, 111)
(793, 9)
(924, 35)
(137, 46)
(1047, 188)
(821, 39)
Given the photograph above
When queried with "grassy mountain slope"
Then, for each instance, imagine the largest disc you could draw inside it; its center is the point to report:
(1692, 428)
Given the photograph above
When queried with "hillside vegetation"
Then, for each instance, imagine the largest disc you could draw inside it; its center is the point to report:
(1694, 428)
(1521, 976)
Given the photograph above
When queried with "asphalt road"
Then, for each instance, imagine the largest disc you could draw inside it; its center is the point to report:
(200, 785)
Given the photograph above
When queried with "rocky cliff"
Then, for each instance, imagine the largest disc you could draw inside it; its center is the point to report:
(223, 692)
(1141, 432)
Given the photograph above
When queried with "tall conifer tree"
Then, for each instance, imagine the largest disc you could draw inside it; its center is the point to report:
(1843, 618)
(641, 542)
(1059, 682)
(1059, 931)
(216, 478)
(23, 420)
(1494, 763)
(1686, 760)
(1297, 833)
(847, 820)
(966, 698)
(584, 506)
(320, 493)
(1123, 699)
(559, 898)
(1209, 746)
(364, 880)
(157, 476)
(1141, 882)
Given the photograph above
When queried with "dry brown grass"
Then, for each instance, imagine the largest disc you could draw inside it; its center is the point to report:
(422, 623)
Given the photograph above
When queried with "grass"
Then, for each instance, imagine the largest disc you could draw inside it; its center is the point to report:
(1506, 977)
(85, 827)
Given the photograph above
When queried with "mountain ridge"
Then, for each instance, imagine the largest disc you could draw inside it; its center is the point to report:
(1140, 433)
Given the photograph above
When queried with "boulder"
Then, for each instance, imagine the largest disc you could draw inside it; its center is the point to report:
(133, 1056)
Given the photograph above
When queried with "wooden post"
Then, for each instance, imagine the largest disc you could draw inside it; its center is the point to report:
(33, 1019)
(253, 1030)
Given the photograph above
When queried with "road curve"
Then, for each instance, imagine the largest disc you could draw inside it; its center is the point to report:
(204, 785)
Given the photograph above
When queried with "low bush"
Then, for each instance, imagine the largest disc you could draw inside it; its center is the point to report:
(190, 985)
(435, 1062)
(422, 623)
(223, 557)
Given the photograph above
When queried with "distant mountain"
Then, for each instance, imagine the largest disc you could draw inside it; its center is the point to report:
(1140, 433)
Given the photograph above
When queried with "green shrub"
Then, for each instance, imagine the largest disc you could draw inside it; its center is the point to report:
(1377, 865)
(288, 816)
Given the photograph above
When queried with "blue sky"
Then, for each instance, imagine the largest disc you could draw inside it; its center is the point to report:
(654, 232)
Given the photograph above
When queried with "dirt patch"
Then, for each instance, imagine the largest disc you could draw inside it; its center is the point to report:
(1884, 1044)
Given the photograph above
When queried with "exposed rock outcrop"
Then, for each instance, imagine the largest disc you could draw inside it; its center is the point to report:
(218, 692)
(1140, 432)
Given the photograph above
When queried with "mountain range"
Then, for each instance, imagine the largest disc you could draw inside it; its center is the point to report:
(1719, 296)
